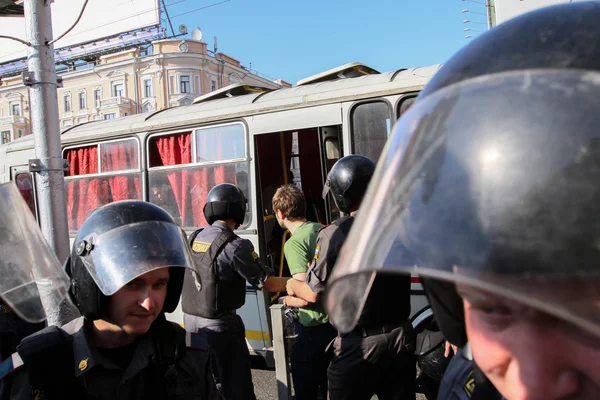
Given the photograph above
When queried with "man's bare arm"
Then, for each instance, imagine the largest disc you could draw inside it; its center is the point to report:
(275, 284)
(301, 290)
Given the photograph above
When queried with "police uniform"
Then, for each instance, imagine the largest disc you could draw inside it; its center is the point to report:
(166, 363)
(12, 330)
(225, 262)
(376, 357)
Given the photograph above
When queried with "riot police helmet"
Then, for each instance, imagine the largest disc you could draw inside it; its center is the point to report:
(348, 180)
(225, 201)
(119, 242)
(491, 179)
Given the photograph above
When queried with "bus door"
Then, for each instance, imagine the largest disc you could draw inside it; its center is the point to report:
(302, 158)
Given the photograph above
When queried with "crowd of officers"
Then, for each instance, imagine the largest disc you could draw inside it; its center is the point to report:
(489, 188)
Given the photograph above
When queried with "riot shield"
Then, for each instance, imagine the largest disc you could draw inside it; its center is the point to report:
(32, 281)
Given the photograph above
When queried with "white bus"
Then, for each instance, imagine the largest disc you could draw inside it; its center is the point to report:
(254, 137)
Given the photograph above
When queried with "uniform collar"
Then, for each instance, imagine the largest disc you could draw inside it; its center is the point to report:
(86, 356)
(221, 225)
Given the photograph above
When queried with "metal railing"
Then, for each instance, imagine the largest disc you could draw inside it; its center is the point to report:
(280, 352)
(12, 119)
(115, 101)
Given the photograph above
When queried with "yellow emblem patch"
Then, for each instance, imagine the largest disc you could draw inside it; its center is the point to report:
(200, 247)
(254, 255)
(317, 251)
(83, 364)
(5, 309)
(470, 385)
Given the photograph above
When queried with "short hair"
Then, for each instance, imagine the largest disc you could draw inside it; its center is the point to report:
(290, 200)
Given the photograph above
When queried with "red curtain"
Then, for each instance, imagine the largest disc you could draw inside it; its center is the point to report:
(121, 156)
(84, 194)
(190, 185)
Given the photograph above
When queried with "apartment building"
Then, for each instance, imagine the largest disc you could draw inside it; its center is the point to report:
(167, 73)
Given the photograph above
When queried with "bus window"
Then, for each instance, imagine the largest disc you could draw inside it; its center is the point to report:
(371, 125)
(180, 175)
(100, 174)
(24, 182)
(405, 104)
(209, 143)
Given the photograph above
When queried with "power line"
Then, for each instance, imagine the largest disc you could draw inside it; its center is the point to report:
(72, 26)
(201, 8)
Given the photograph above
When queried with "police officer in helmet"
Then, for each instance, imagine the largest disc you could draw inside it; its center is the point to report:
(374, 357)
(224, 263)
(494, 176)
(126, 270)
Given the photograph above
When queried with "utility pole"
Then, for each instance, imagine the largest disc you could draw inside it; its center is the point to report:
(49, 165)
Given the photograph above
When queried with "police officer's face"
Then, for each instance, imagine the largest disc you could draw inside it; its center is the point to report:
(528, 354)
(135, 306)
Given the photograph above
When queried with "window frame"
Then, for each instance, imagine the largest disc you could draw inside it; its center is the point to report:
(148, 86)
(82, 95)
(113, 87)
(67, 96)
(357, 104)
(405, 97)
(205, 164)
(98, 144)
(2, 138)
(12, 109)
(187, 86)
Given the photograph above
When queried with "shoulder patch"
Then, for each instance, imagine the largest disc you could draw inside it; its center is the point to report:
(200, 247)
(317, 251)
(254, 255)
(470, 385)
(196, 341)
(5, 309)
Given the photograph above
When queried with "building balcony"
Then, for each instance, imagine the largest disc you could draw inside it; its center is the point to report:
(118, 101)
(13, 120)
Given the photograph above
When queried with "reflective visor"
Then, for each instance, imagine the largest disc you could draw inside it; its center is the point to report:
(123, 254)
(493, 183)
(32, 281)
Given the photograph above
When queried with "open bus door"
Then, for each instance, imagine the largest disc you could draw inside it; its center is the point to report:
(303, 158)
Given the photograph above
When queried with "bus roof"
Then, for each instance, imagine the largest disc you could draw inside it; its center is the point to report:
(367, 86)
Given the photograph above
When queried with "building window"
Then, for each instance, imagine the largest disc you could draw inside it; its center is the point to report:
(110, 116)
(147, 88)
(213, 85)
(20, 133)
(118, 90)
(82, 101)
(15, 109)
(184, 84)
(97, 97)
(5, 137)
(67, 102)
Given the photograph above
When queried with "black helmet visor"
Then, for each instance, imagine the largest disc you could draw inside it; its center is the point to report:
(493, 183)
(120, 255)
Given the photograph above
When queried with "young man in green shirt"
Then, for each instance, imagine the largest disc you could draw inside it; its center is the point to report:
(314, 333)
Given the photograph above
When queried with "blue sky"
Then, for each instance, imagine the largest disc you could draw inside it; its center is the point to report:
(291, 40)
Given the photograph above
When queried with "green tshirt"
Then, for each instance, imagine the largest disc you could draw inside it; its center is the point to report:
(299, 251)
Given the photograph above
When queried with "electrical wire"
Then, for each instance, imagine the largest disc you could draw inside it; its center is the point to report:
(201, 8)
(26, 43)
(72, 26)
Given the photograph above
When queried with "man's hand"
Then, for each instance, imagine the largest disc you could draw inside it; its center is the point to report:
(450, 346)
(289, 287)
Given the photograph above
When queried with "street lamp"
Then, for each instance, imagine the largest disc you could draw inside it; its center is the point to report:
(472, 30)
(473, 12)
(466, 21)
